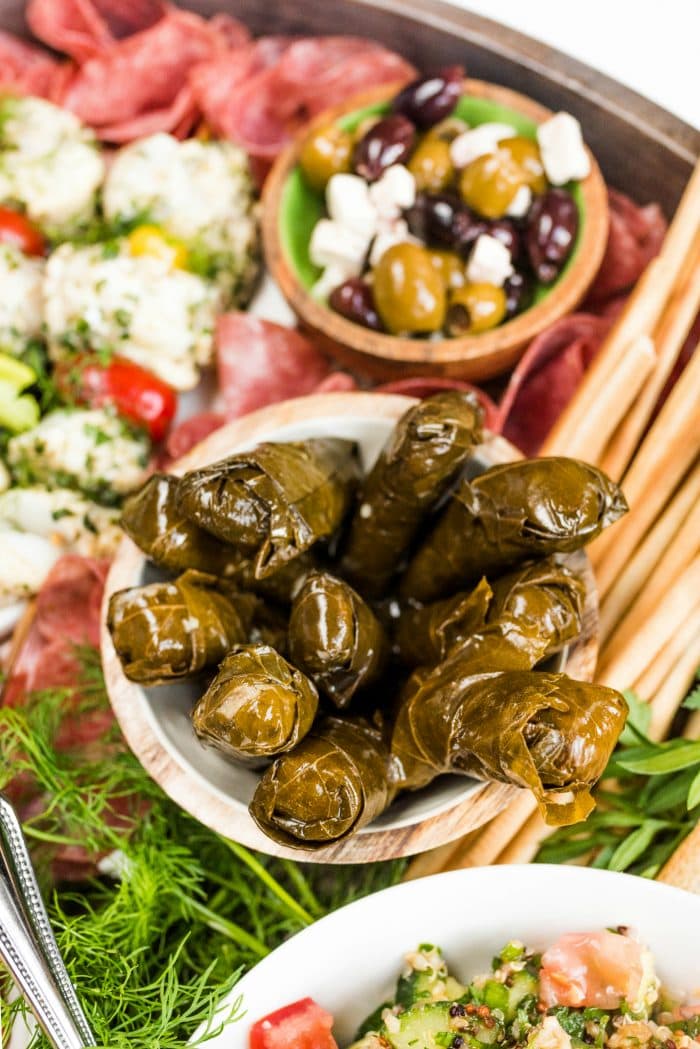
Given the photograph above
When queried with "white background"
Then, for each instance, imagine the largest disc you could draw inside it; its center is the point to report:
(652, 46)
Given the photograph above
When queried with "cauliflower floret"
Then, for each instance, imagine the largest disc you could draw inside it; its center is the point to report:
(92, 450)
(20, 298)
(25, 563)
(50, 163)
(201, 193)
(137, 306)
(63, 516)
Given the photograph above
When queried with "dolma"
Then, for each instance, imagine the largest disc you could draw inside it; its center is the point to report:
(537, 730)
(169, 630)
(335, 782)
(276, 501)
(422, 458)
(335, 637)
(257, 706)
(541, 602)
(510, 514)
(426, 633)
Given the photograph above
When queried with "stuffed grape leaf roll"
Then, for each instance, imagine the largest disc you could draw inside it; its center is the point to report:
(169, 630)
(334, 782)
(422, 458)
(425, 634)
(335, 637)
(257, 706)
(509, 514)
(274, 502)
(542, 731)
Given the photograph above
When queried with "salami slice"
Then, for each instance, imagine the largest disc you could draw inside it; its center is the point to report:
(140, 84)
(547, 377)
(25, 69)
(84, 28)
(190, 432)
(260, 363)
(635, 237)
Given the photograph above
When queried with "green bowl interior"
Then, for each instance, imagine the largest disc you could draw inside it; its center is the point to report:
(302, 207)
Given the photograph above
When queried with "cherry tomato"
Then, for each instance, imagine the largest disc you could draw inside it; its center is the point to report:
(301, 1025)
(136, 393)
(17, 230)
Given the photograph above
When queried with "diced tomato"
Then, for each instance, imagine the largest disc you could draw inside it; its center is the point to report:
(17, 230)
(136, 393)
(301, 1025)
(599, 969)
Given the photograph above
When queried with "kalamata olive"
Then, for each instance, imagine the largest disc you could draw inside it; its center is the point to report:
(552, 226)
(354, 300)
(518, 290)
(325, 152)
(507, 232)
(442, 220)
(408, 290)
(430, 98)
(387, 142)
(475, 308)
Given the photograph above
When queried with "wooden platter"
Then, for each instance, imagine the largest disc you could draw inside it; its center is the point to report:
(156, 724)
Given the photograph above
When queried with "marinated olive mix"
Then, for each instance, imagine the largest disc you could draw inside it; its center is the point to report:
(434, 227)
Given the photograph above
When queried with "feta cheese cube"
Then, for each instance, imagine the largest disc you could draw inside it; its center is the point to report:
(520, 204)
(489, 262)
(348, 203)
(335, 245)
(396, 234)
(478, 141)
(394, 191)
(331, 277)
(564, 155)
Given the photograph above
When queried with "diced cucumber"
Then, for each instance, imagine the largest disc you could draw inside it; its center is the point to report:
(421, 1027)
(522, 984)
(373, 1022)
(18, 412)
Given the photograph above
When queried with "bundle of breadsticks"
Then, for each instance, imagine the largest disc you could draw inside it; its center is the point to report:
(647, 565)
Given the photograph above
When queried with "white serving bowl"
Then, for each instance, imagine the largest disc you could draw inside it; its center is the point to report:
(349, 961)
(216, 790)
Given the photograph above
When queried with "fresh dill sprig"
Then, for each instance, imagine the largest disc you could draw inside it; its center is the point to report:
(649, 801)
(153, 951)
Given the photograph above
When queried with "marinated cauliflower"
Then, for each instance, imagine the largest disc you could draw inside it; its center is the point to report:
(50, 164)
(27, 560)
(65, 517)
(20, 298)
(199, 192)
(92, 450)
(141, 307)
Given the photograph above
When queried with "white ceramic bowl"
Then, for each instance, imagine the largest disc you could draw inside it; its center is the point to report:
(217, 791)
(349, 961)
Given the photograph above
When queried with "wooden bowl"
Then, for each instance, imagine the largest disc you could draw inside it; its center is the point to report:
(474, 357)
(217, 791)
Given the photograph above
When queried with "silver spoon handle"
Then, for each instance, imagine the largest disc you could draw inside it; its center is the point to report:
(25, 904)
(29, 971)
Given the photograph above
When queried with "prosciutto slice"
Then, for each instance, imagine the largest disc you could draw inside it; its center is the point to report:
(547, 377)
(635, 237)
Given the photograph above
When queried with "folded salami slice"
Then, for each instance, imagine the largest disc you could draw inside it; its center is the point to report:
(635, 237)
(84, 28)
(25, 69)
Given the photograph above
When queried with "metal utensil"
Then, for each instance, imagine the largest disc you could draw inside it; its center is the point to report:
(28, 946)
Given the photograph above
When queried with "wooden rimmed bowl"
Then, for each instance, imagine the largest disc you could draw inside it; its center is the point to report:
(217, 791)
(291, 209)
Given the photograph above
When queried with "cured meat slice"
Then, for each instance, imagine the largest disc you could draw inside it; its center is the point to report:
(262, 97)
(83, 28)
(635, 237)
(547, 377)
(190, 432)
(260, 363)
(141, 84)
(25, 69)
(425, 386)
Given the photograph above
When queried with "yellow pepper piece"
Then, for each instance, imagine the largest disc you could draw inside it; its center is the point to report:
(151, 240)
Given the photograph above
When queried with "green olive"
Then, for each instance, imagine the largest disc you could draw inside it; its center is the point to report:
(431, 165)
(408, 290)
(490, 182)
(525, 153)
(475, 308)
(326, 151)
(450, 266)
(447, 130)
